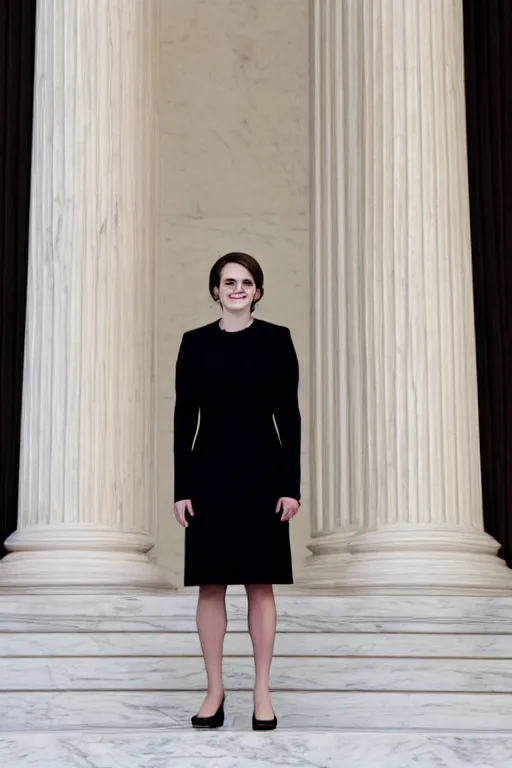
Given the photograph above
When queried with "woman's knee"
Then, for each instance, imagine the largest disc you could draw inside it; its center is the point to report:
(259, 592)
(212, 591)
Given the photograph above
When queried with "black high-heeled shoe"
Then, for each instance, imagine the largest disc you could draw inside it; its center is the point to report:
(263, 725)
(213, 721)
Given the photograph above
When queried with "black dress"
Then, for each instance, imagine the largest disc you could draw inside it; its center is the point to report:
(238, 466)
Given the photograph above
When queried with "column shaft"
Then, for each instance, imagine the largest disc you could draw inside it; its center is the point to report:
(87, 506)
(395, 396)
(336, 343)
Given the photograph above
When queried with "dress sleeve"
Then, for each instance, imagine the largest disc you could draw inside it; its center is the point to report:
(186, 411)
(287, 415)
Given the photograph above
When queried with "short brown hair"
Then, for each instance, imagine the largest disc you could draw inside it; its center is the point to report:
(245, 260)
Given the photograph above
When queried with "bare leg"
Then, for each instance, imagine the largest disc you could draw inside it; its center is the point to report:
(262, 628)
(211, 624)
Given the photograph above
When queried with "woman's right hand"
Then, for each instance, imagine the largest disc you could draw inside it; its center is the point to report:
(180, 510)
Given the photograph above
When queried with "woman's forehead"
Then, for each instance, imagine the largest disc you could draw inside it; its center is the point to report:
(235, 271)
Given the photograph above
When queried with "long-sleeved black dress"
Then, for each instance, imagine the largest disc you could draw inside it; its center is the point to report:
(238, 466)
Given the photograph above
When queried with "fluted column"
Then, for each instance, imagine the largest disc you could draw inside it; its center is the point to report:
(397, 471)
(86, 501)
(337, 426)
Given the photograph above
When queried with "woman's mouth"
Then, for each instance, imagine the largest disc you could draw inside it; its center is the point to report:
(237, 298)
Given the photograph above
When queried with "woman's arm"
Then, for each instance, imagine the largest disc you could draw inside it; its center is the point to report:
(186, 411)
(287, 415)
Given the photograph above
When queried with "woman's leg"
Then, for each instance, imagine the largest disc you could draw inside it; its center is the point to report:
(262, 628)
(211, 624)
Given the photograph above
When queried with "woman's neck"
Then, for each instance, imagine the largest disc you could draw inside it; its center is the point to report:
(231, 321)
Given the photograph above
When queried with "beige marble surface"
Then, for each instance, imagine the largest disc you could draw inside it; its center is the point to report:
(234, 80)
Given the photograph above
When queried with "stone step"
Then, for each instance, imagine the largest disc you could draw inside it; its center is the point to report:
(371, 663)
(300, 613)
(314, 644)
(174, 673)
(324, 710)
(228, 748)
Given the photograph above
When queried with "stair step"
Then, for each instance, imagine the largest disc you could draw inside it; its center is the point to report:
(91, 662)
(301, 613)
(354, 710)
(291, 644)
(288, 674)
(228, 748)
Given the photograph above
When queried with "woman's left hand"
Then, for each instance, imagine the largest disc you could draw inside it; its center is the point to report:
(289, 506)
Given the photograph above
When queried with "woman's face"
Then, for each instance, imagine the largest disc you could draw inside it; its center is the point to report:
(237, 289)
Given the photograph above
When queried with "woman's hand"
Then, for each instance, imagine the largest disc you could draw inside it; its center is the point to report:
(289, 506)
(180, 510)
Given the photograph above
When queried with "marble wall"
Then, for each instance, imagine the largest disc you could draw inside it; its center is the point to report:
(233, 176)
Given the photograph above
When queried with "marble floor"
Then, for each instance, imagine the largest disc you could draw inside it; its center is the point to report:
(110, 681)
(229, 748)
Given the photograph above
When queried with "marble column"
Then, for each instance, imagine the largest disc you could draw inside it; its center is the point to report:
(397, 502)
(87, 479)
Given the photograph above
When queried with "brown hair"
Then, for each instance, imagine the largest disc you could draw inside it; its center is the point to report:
(245, 260)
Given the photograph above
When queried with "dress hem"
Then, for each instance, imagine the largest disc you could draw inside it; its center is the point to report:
(235, 583)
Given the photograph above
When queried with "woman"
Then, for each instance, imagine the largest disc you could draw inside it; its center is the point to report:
(237, 482)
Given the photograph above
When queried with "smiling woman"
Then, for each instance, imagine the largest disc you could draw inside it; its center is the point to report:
(237, 485)
(236, 281)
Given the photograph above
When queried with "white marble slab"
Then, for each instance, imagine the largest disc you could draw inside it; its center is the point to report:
(14, 644)
(288, 674)
(301, 613)
(232, 749)
(103, 661)
(33, 711)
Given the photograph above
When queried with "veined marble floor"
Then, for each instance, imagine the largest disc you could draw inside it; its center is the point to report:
(237, 749)
(110, 681)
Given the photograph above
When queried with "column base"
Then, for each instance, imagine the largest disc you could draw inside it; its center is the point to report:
(329, 556)
(424, 559)
(74, 557)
